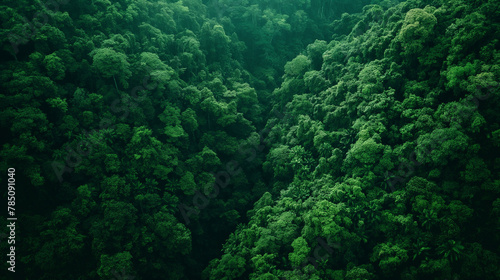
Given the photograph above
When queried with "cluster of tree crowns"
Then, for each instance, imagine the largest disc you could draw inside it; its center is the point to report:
(383, 157)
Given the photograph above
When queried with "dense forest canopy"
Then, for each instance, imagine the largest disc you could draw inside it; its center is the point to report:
(251, 139)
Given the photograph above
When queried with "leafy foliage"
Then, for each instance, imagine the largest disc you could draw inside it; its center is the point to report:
(302, 139)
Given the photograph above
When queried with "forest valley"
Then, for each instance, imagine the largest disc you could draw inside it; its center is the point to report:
(252, 139)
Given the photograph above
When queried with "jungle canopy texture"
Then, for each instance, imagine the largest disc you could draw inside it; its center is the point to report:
(252, 139)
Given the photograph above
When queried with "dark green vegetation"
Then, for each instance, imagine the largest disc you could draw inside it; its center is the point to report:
(351, 141)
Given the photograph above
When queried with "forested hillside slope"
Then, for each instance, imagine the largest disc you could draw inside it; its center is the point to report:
(249, 139)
